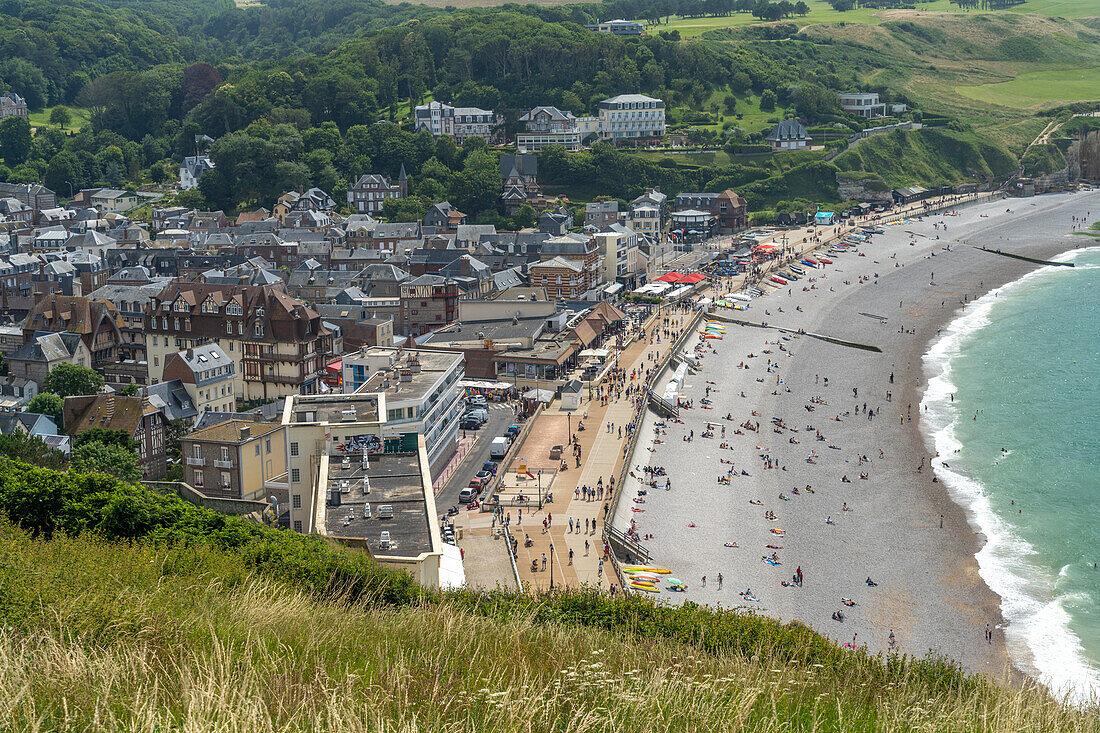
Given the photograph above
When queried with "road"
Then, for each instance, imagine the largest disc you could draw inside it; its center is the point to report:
(500, 417)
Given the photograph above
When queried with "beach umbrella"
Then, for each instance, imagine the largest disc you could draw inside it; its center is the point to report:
(675, 581)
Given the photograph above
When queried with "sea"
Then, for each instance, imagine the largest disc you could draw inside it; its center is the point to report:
(1013, 409)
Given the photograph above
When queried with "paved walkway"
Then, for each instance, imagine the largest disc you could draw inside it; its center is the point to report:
(601, 458)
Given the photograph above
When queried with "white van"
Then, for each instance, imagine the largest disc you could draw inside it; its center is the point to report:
(499, 447)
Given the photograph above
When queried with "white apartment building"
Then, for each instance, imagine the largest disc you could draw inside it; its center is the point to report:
(421, 392)
(630, 117)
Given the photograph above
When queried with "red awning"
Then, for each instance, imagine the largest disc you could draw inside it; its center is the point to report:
(692, 278)
(671, 277)
(335, 366)
(764, 247)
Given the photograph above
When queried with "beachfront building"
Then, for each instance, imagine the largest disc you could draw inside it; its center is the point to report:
(421, 393)
(461, 123)
(548, 126)
(788, 135)
(729, 210)
(349, 484)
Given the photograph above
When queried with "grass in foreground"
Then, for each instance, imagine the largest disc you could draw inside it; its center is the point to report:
(100, 636)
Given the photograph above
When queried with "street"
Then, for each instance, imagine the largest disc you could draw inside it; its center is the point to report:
(500, 417)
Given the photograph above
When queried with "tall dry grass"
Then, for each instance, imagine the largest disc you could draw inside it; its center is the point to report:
(107, 637)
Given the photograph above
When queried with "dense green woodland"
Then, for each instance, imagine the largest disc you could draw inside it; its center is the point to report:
(314, 93)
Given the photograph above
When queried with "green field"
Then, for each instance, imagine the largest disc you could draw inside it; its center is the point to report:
(42, 119)
(1035, 88)
(822, 12)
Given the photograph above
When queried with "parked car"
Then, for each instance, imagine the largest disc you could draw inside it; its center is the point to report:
(469, 423)
(477, 399)
(478, 483)
(467, 495)
(485, 475)
(511, 432)
(499, 447)
(478, 413)
(490, 466)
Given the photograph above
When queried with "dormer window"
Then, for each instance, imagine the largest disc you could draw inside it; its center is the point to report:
(234, 309)
(181, 306)
(258, 329)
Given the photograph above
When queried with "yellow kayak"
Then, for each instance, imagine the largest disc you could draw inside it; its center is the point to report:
(643, 569)
(649, 588)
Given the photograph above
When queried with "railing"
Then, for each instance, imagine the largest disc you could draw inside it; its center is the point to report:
(223, 464)
(192, 461)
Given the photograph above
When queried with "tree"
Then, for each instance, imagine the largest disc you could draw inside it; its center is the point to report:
(767, 100)
(48, 404)
(197, 81)
(15, 140)
(108, 437)
(801, 9)
(31, 449)
(174, 432)
(96, 457)
(68, 380)
(61, 116)
(63, 171)
(26, 79)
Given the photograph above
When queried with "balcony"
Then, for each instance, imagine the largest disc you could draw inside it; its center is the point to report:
(193, 461)
(223, 464)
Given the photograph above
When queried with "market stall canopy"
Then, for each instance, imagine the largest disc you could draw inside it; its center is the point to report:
(541, 395)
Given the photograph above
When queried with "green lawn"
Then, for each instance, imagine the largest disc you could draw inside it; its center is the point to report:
(822, 12)
(42, 119)
(1036, 88)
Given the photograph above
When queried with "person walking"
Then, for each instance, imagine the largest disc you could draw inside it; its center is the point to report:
(570, 555)
(544, 561)
(719, 581)
(586, 548)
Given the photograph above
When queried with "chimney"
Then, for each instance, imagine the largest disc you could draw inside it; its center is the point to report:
(246, 432)
(190, 354)
(257, 417)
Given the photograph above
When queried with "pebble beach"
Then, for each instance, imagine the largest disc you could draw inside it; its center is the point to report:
(838, 479)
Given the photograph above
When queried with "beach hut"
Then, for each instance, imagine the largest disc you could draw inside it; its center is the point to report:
(571, 394)
(824, 218)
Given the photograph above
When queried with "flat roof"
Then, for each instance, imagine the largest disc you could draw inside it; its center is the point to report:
(394, 479)
(410, 383)
(338, 408)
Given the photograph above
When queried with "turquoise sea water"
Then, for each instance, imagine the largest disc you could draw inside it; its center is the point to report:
(1025, 362)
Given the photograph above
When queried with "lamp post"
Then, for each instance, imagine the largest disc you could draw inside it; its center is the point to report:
(551, 566)
(540, 489)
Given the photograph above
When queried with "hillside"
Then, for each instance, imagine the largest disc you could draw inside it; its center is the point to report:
(176, 630)
(931, 156)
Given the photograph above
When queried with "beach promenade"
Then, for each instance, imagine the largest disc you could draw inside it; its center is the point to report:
(862, 501)
(601, 458)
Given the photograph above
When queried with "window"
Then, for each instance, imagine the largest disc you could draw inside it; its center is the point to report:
(257, 448)
(229, 327)
(156, 361)
(294, 449)
(225, 453)
(296, 501)
(234, 309)
(295, 475)
(258, 329)
(298, 526)
(267, 445)
(197, 481)
(226, 482)
(196, 450)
